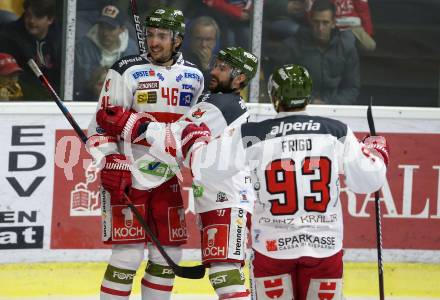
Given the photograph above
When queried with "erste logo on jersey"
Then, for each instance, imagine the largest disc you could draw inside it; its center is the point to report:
(145, 73)
(195, 76)
(189, 75)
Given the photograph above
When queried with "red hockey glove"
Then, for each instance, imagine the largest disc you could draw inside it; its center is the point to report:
(116, 120)
(378, 145)
(116, 176)
(194, 133)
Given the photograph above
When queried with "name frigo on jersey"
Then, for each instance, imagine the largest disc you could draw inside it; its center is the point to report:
(285, 128)
(296, 145)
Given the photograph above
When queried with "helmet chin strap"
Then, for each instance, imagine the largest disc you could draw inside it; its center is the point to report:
(234, 73)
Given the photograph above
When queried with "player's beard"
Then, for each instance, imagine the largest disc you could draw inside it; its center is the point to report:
(221, 87)
(160, 60)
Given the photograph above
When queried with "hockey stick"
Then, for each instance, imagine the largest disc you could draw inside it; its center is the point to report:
(138, 26)
(194, 272)
(378, 214)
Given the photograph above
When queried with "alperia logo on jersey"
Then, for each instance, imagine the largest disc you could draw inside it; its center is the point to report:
(286, 127)
(124, 62)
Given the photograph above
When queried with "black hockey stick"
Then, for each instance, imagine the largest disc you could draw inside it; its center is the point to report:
(378, 214)
(138, 26)
(194, 272)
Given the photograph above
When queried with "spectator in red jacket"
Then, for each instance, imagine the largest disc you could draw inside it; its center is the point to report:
(355, 15)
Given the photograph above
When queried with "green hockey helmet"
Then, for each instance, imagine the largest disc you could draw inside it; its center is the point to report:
(240, 59)
(290, 86)
(167, 18)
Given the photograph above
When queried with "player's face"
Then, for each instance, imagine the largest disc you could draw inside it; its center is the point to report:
(220, 77)
(160, 44)
(322, 25)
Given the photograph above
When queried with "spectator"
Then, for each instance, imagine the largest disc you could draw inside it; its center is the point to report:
(10, 88)
(328, 54)
(203, 43)
(355, 15)
(86, 14)
(35, 33)
(104, 44)
(233, 16)
(283, 18)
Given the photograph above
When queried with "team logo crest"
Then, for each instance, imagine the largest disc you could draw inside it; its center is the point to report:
(198, 113)
(221, 197)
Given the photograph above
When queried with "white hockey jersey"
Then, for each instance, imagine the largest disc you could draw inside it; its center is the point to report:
(296, 161)
(137, 84)
(221, 113)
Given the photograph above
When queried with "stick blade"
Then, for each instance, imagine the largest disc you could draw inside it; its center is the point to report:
(194, 272)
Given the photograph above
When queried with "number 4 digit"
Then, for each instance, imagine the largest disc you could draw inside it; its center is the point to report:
(171, 97)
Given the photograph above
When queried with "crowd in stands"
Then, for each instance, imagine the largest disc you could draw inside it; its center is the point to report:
(325, 36)
(34, 34)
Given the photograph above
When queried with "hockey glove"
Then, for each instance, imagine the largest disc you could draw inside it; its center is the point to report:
(116, 176)
(192, 134)
(116, 120)
(378, 146)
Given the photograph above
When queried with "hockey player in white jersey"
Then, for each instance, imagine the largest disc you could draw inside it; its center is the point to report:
(224, 206)
(164, 85)
(297, 228)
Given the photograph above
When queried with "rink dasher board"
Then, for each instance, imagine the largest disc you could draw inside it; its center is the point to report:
(194, 255)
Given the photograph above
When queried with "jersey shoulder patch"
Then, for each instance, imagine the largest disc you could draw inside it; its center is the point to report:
(230, 105)
(189, 64)
(126, 62)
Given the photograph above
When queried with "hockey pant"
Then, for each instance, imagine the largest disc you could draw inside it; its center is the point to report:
(305, 278)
